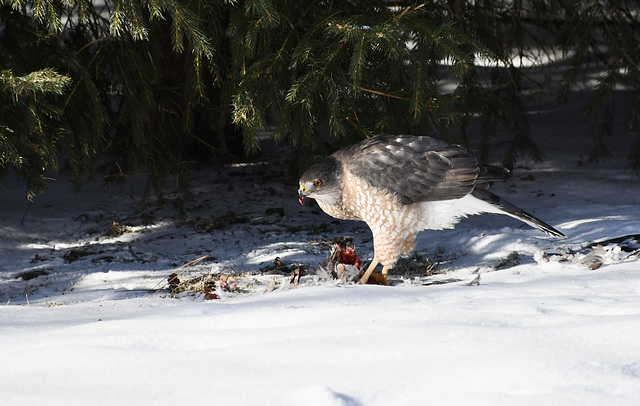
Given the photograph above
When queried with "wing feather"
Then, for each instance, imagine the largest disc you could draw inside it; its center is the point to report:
(416, 169)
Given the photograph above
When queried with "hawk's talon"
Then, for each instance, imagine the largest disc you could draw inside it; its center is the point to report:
(378, 279)
(370, 277)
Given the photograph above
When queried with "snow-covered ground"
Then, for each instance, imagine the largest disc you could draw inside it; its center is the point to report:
(512, 317)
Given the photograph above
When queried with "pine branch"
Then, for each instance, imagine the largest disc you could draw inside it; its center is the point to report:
(42, 81)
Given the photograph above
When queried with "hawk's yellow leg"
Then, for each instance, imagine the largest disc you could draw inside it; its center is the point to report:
(380, 279)
(369, 271)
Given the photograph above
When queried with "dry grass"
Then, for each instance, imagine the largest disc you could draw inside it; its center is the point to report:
(416, 266)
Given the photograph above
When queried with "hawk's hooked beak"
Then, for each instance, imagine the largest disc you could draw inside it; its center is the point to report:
(302, 194)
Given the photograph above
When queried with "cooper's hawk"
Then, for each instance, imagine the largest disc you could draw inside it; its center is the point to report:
(400, 185)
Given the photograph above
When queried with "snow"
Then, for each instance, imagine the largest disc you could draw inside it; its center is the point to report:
(513, 317)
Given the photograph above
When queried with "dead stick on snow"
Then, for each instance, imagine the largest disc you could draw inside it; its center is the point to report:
(184, 268)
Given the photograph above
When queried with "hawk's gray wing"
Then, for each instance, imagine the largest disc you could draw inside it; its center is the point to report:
(416, 169)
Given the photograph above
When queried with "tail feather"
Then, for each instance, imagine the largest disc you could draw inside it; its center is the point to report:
(515, 212)
(488, 174)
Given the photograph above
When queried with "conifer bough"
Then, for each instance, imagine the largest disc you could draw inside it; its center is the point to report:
(154, 85)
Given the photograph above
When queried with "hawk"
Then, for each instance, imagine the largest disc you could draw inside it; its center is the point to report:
(402, 184)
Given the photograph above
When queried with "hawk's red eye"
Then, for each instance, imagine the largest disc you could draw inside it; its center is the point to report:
(317, 183)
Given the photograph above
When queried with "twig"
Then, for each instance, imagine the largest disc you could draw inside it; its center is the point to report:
(136, 256)
(26, 210)
(184, 268)
(383, 94)
(397, 17)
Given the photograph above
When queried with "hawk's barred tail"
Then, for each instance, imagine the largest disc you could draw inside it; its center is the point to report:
(515, 212)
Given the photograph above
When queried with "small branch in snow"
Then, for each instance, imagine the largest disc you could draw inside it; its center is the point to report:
(160, 285)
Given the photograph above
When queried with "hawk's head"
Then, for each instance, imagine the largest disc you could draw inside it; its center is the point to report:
(323, 182)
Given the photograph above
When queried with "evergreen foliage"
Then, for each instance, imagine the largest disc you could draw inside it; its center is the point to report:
(604, 36)
(152, 85)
